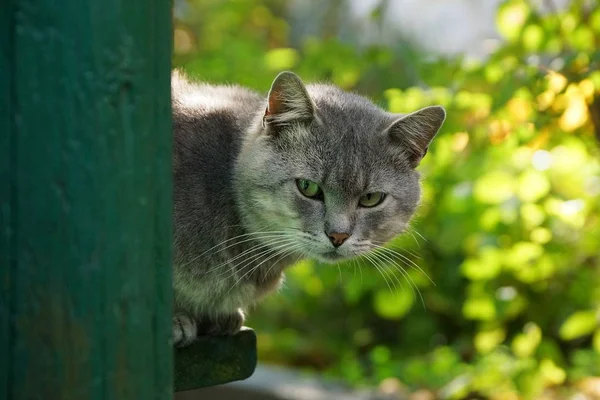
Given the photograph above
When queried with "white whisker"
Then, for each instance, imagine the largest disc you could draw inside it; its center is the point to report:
(249, 237)
(382, 263)
(412, 264)
(278, 252)
(264, 250)
(378, 270)
(406, 276)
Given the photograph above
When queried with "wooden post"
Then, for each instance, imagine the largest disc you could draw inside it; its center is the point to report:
(85, 199)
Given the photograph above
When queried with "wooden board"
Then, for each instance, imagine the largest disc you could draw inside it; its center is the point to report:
(214, 361)
(85, 199)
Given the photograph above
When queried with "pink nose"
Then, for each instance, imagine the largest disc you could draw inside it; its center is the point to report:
(337, 239)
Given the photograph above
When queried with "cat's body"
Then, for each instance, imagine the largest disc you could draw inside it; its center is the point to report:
(261, 182)
(209, 125)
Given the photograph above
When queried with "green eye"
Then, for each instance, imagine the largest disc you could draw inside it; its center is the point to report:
(308, 188)
(371, 199)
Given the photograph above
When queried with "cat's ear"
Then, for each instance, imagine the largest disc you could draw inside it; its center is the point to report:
(288, 101)
(415, 131)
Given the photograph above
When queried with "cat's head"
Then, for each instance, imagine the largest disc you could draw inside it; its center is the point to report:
(329, 174)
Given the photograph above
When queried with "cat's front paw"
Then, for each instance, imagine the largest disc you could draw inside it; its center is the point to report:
(185, 330)
(222, 325)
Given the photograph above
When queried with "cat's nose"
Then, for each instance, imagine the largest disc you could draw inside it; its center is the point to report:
(337, 239)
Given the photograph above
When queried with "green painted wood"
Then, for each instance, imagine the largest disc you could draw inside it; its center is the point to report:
(212, 361)
(85, 199)
(5, 160)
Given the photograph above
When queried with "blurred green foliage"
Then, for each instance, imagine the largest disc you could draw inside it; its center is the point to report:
(509, 229)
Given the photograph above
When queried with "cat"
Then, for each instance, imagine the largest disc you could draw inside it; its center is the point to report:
(310, 171)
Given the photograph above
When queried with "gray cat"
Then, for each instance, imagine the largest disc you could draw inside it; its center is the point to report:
(309, 172)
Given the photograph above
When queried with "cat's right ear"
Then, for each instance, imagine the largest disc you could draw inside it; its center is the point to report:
(288, 101)
(413, 132)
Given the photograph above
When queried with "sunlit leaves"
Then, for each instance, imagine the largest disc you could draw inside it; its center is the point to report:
(405, 102)
(487, 340)
(541, 235)
(532, 186)
(393, 304)
(346, 77)
(571, 167)
(380, 354)
(576, 111)
(499, 130)
(582, 38)
(479, 307)
(588, 90)
(324, 56)
(578, 324)
(532, 215)
(523, 255)
(484, 267)
(511, 17)
(509, 213)
(595, 78)
(495, 187)
(533, 37)
(545, 99)
(493, 72)
(472, 100)
(281, 59)
(311, 282)
(556, 82)
(460, 141)
(525, 343)
(552, 373)
(520, 109)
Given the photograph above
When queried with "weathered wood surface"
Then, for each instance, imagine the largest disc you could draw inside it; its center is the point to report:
(214, 361)
(85, 199)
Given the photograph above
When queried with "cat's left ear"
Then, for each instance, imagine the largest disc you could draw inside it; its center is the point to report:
(415, 131)
(288, 101)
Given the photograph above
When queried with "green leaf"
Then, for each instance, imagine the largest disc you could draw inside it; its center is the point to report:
(480, 308)
(552, 373)
(393, 305)
(485, 267)
(487, 341)
(580, 323)
(533, 185)
(495, 187)
(380, 354)
(280, 59)
(511, 17)
(533, 37)
(524, 344)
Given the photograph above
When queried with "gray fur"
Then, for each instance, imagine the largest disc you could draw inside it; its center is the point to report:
(236, 158)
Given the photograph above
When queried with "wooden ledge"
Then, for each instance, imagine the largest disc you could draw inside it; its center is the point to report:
(212, 361)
